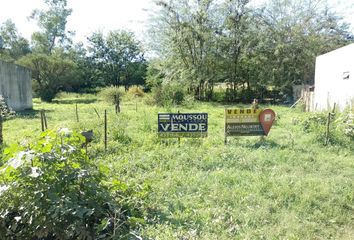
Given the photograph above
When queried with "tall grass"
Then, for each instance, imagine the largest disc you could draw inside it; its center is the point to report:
(287, 186)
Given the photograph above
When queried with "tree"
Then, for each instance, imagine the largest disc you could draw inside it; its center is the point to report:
(184, 31)
(295, 33)
(51, 73)
(253, 50)
(118, 58)
(234, 37)
(52, 23)
(13, 45)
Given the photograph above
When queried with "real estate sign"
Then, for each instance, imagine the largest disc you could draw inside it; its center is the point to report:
(248, 121)
(176, 125)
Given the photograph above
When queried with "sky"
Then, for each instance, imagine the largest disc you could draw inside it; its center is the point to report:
(92, 15)
(87, 16)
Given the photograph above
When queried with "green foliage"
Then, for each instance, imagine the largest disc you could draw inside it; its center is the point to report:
(117, 59)
(52, 190)
(120, 136)
(287, 185)
(52, 23)
(346, 122)
(51, 73)
(5, 110)
(315, 122)
(154, 74)
(169, 94)
(341, 127)
(112, 95)
(13, 45)
(249, 46)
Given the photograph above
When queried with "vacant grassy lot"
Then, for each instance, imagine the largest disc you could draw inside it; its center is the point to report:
(288, 186)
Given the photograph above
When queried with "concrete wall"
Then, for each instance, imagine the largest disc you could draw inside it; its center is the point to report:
(16, 86)
(334, 79)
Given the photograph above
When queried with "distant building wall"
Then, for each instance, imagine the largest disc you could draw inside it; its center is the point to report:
(16, 86)
(334, 79)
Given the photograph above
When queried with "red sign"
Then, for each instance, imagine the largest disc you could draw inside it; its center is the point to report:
(266, 118)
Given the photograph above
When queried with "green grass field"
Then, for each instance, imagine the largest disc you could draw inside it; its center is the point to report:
(287, 186)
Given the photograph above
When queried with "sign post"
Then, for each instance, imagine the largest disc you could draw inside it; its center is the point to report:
(177, 125)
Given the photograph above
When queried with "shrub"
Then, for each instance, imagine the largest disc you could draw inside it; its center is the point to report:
(52, 73)
(341, 129)
(111, 94)
(315, 122)
(169, 94)
(120, 136)
(136, 91)
(5, 110)
(52, 190)
(346, 122)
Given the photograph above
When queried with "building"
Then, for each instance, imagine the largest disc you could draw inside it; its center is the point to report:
(334, 79)
(16, 86)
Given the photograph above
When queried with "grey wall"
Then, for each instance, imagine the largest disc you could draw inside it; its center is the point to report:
(16, 86)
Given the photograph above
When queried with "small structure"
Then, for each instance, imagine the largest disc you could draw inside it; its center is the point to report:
(305, 95)
(334, 79)
(16, 86)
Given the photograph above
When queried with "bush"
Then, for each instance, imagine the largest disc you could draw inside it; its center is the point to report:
(52, 73)
(315, 122)
(341, 130)
(111, 94)
(120, 136)
(136, 91)
(346, 122)
(169, 94)
(52, 190)
(5, 110)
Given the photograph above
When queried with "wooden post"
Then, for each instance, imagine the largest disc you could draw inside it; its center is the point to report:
(77, 113)
(225, 131)
(179, 139)
(45, 120)
(1, 136)
(105, 130)
(97, 113)
(330, 114)
(42, 120)
(334, 108)
(327, 130)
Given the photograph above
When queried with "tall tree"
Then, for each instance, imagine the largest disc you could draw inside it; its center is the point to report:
(13, 44)
(234, 38)
(296, 32)
(118, 58)
(253, 49)
(51, 73)
(185, 31)
(52, 23)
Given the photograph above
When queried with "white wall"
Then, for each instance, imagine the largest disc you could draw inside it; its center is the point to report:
(16, 86)
(330, 87)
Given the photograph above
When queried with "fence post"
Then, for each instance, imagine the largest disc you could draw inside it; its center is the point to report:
(97, 113)
(330, 114)
(327, 130)
(77, 113)
(225, 130)
(45, 120)
(1, 136)
(105, 130)
(42, 120)
(179, 139)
